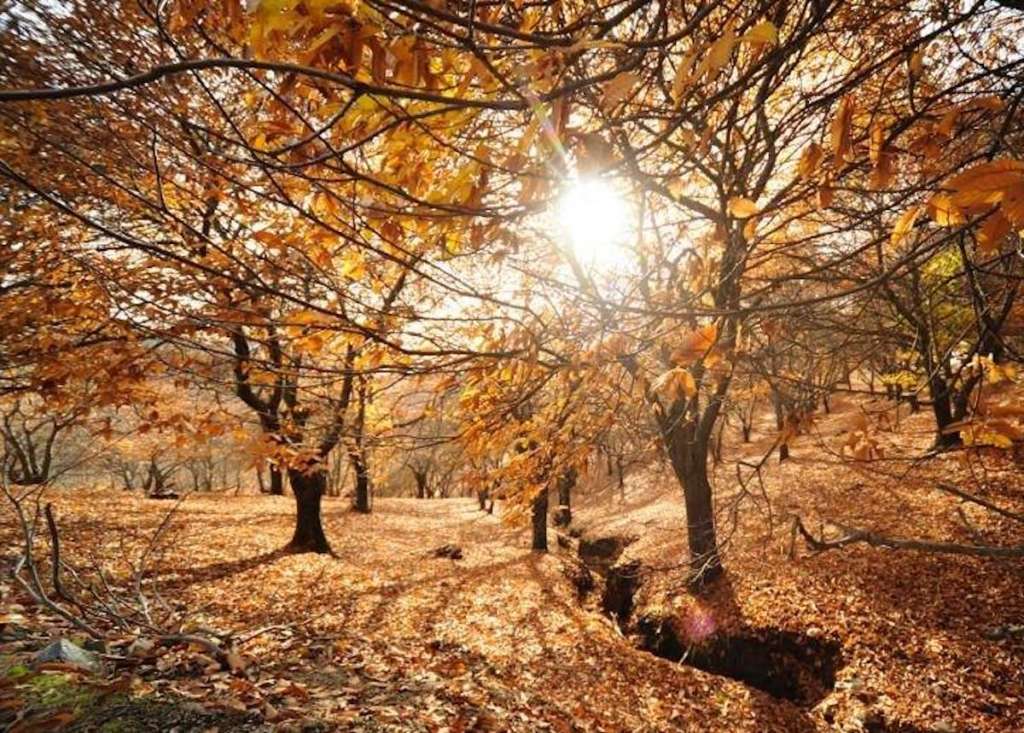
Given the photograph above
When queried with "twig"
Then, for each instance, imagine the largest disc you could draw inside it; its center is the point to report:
(854, 535)
(51, 525)
(949, 488)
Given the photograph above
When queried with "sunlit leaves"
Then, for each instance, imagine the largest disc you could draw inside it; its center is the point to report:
(841, 132)
(742, 208)
(763, 32)
(810, 159)
(695, 345)
(904, 224)
(618, 89)
(985, 184)
(676, 383)
(719, 53)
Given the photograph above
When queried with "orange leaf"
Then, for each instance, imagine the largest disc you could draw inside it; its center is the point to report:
(741, 208)
(841, 126)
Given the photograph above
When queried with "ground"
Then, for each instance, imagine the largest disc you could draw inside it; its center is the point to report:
(386, 637)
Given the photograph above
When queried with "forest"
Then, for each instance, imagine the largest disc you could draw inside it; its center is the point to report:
(469, 366)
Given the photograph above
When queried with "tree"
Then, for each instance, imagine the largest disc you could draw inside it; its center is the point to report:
(370, 184)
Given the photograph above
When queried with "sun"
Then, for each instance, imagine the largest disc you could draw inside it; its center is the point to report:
(596, 218)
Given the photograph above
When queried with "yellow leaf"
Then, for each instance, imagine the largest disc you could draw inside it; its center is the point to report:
(904, 224)
(618, 89)
(684, 75)
(763, 32)
(984, 184)
(721, 50)
(750, 229)
(944, 211)
(741, 208)
(842, 143)
(354, 266)
(810, 159)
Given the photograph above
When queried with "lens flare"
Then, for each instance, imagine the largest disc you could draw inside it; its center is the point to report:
(596, 219)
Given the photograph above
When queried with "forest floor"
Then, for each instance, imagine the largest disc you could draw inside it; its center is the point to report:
(387, 637)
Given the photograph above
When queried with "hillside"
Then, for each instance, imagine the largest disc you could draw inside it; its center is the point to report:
(387, 637)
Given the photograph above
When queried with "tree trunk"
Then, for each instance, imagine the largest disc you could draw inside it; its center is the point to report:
(309, 532)
(540, 522)
(566, 482)
(943, 410)
(421, 484)
(276, 481)
(780, 422)
(688, 453)
(362, 498)
(621, 474)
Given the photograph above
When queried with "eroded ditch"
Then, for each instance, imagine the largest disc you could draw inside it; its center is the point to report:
(788, 665)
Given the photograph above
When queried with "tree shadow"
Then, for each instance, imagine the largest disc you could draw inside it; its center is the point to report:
(218, 570)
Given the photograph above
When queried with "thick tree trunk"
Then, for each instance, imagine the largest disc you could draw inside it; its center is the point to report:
(540, 522)
(566, 482)
(309, 532)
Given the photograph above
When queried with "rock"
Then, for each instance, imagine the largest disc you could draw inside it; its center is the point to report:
(63, 651)
(96, 645)
(1007, 631)
(943, 726)
(452, 552)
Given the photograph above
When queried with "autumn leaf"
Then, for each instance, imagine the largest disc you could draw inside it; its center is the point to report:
(695, 345)
(944, 211)
(809, 160)
(842, 143)
(904, 224)
(763, 32)
(742, 208)
(683, 75)
(354, 266)
(985, 184)
(992, 232)
(826, 194)
(618, 89)
(916, 63)
(677, 383)
(720, 52)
